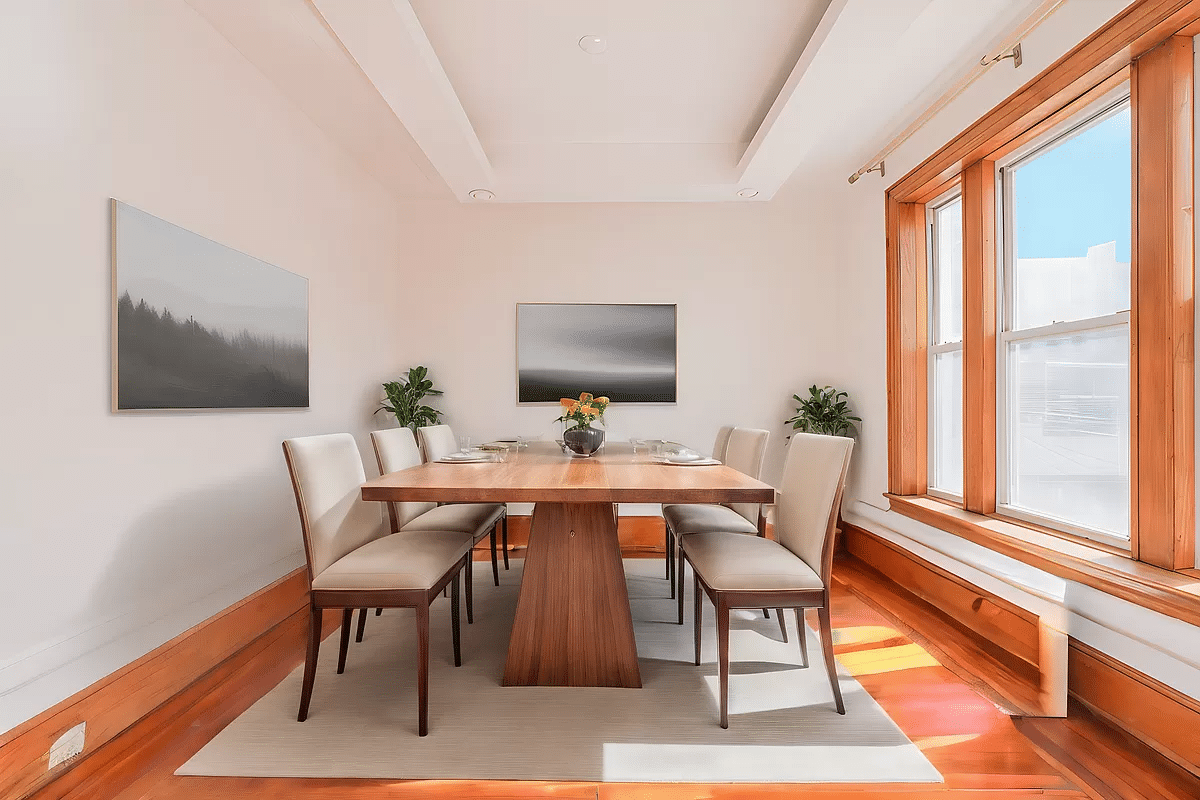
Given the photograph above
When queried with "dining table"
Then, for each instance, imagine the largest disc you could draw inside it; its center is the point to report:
(572, 625)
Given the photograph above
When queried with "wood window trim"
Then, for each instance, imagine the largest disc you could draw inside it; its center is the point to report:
(1148, 45)
(1175, 594)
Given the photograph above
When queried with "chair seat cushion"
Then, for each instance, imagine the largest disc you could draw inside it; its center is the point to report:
(734, 562)
(406, 560)
(689, 518)
(473, 518)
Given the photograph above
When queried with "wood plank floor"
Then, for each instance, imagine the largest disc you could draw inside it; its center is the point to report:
(980, 751)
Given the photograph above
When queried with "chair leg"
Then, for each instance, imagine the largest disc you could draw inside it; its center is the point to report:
(670, 554)
(782, 624)
(470, 570)
(723, 657)
(362, 625)
(803, 633)
(454, 593)
(378, 611)
(310, 660)
(504, 537)
(830, 665)
(699, 611)
(495, 569)
(347, 621)
(422, 610)
(679, 577)
(767, 613)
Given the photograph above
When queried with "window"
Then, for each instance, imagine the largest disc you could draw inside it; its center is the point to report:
(945, 400)
(1063, 357)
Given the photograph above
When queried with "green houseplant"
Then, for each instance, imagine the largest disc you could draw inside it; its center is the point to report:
(404, 399)
(825, 410)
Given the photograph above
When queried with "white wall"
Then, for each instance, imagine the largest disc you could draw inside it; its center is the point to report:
(1150, 642)
(120, 531)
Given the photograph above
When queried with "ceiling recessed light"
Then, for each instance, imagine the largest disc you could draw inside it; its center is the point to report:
(481, 194)
(593, 44)
(747, 192)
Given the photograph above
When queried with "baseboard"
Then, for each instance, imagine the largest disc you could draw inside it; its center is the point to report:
(114, 703)
(1147, 709)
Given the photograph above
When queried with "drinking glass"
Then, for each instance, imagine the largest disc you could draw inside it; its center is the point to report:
(464, 444)
(500, 454)
(640, 448)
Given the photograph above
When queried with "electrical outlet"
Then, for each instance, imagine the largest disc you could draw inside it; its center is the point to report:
(69, 745)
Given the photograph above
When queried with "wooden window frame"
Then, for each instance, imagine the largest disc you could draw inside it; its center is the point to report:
(1150, 46)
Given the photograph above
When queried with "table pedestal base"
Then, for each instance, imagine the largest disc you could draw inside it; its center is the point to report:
(573, 626)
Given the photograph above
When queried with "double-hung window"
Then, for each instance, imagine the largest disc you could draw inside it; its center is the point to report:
(945, 393)
(1063, 355)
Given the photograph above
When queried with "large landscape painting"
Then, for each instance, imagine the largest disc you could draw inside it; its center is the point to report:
(624, 352)
(200, 325)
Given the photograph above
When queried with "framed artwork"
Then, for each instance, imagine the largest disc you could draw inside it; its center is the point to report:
(626, 352)
(198, 325)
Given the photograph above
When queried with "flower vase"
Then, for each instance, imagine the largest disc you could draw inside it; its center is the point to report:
(583, 441)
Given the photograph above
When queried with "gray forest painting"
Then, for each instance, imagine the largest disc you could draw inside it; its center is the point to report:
(623, 352)
(200, 325)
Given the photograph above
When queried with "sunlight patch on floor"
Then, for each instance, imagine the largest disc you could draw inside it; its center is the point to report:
(886, 659)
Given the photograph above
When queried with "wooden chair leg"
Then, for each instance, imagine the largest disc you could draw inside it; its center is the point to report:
(495, 569)
(782, 624)
(454, 619)
(347, 621)
(803, 634)
(422, 610)
(830, 664)
(378, 611)
(767, 613)
(310, 660)
(697, 619)
(679, 576)
(670, 555)
(504, 537)
(723, 657)
(470, 570)
(362, 625)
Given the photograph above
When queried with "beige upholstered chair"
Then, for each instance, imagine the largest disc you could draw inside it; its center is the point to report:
(738, 571)
(438, 441)
(719, 447)
(745, 451)
(353, 562)
(396, 449)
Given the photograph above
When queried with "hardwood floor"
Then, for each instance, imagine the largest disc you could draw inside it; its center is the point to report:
(980, 751)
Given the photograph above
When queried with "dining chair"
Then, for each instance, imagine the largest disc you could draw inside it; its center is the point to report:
(437, 442)
(745, 452)
(396, 449)
(718, 452)
(793, 571)
(353, 562)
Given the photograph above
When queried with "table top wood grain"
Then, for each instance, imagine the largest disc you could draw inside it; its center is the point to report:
(541, 473)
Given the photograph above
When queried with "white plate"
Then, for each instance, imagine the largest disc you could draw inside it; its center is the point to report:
(700, 462)
(465, 458)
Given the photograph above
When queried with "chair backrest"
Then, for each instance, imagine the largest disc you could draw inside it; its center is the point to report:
(396, 449)
(437, 441)
(814, 478)
(327, 475)
(722, 443)
(745, 452)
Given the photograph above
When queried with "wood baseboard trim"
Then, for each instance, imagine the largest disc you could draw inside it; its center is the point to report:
(1149, 710)
(999, 642)
(117, 701)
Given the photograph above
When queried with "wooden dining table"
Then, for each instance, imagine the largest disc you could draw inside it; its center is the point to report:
(573, 625)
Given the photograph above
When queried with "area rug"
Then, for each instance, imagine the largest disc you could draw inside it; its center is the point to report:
(362, 724)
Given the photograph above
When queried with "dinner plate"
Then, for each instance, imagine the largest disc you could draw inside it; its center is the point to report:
(464, 458)
(698, 462)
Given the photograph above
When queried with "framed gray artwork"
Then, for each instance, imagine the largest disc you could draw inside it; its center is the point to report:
(198, 325)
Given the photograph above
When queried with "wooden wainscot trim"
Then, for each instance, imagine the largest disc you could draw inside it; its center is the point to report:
(114, 703)
(1174, 594)
(1000, 643)
(906, 347)
(1153, 712)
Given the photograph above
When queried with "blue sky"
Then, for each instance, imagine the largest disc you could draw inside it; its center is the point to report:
(1077, 195)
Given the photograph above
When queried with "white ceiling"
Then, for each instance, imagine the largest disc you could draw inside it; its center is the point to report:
(691, 101)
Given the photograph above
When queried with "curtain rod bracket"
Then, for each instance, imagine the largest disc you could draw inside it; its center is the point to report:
(877, 168)
(1014, 54)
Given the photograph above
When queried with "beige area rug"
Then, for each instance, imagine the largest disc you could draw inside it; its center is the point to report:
(782, 725)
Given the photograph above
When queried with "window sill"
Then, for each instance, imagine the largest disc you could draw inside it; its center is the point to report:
(1175, 594)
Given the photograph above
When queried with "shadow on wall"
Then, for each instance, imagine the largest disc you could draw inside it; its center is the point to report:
(197, 542)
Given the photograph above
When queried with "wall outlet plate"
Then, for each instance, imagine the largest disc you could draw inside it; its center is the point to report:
(68, 746)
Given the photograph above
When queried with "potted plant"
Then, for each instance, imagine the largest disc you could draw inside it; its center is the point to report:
(403, 398)
(825, 410)
(580, 437)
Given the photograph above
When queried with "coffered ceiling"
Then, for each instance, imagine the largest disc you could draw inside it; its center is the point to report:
(689, 100)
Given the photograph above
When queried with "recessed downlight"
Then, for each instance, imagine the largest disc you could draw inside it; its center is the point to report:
(481, 194)
(747, 192)
(593, 44)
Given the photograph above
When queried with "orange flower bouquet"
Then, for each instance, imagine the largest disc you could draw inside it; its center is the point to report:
(578, 415)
